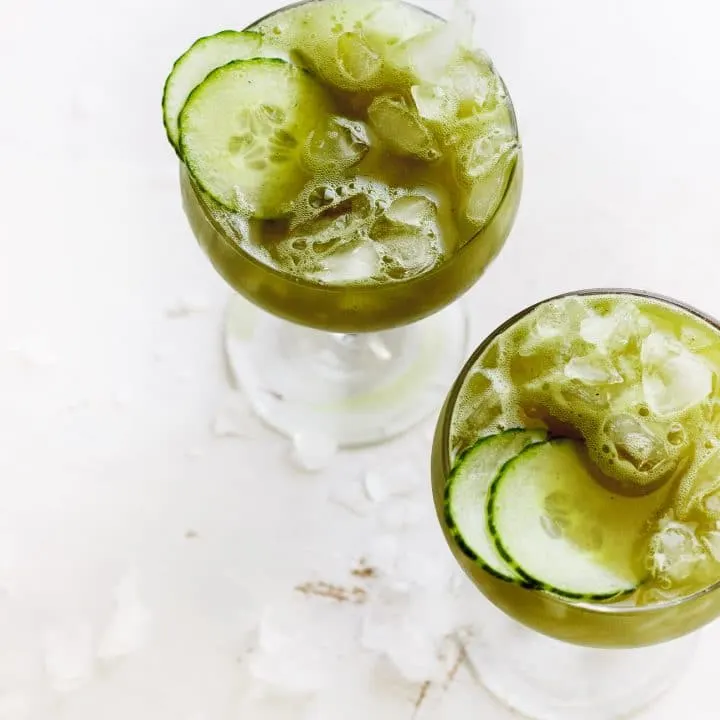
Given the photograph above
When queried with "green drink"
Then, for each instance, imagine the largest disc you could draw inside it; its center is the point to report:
(354, 168)
(576, 473)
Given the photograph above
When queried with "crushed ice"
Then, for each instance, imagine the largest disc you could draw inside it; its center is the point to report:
(313, 451)
(234, 418)
(184, 307)
(129, 627)
(69, 656)
(398, 480)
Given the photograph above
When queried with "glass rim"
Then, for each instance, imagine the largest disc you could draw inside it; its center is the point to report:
(601, 608)
(361, 287)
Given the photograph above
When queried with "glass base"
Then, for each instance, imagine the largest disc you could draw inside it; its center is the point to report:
(546, 679)
(357, 389)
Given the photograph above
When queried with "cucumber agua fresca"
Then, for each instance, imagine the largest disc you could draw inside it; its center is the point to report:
(345, 142)
(612, 493)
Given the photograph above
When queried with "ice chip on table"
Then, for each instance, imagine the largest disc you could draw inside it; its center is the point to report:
(234, 418)
(336, 145)
(301, 642)
(592, 370)
(401, 128)
(359, 261)
(69, 657)
(396, 480)
(358, 63)
(636, 443)
(675, 552)
(391, 628)
(673, 378)
(402, 513)
(351, 495)
(434, 102)
(129, 627)
(313, 451)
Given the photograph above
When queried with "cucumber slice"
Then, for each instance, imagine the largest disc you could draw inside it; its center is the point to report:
(243, 129)
(558, 527)
(466, 496)
(191, 68)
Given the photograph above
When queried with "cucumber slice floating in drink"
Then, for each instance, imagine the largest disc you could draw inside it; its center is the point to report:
(466, 496)
(191, 68)
(243, 129)
(557, 526)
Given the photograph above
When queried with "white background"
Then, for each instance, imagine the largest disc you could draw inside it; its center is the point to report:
(110, 472)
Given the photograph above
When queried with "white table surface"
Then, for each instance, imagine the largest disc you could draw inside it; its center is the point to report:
(139, 548)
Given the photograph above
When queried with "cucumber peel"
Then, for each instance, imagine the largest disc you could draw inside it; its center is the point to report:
(466, 496)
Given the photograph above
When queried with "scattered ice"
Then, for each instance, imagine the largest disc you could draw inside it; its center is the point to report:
(184, 307)
(129, 627)
(592, 371)
(401, 513)
(69, 657)
(301, 642)
(313, 451)
(383, 553)
(234, 418)
(674, 379)
(350, 494)
(397, 480)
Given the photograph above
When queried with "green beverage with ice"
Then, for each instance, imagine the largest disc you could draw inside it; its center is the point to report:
(349, 166)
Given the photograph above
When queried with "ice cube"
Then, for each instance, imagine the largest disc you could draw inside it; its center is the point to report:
(636, 443)
(612, 332)
(129, 627)
(404, 250)
(675, 552)
(401, 128)
(434, 102)
(414, 210)
(674, 379)
(69, 659)
(592, 370)
(429, 54)
(351, 263)
(337, 144)
(706, 491)
(473, 81)
(484, 143)
(400, 479)
(313, 451)
(487, 190)
(358, 63)
(331, 228)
